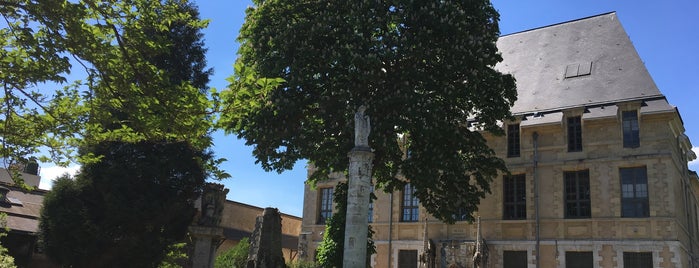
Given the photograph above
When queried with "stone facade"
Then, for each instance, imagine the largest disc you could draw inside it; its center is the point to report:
(577, 204)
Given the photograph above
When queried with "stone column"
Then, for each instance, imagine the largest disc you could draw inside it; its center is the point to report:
(205, 230)
(358, 192)
(206, 241)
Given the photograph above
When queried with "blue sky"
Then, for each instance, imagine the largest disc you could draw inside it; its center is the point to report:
(665, 34)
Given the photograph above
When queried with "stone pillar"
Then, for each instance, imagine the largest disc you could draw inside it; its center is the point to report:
(206, 241)
(266, 241)
(358, 193)
(205, 231)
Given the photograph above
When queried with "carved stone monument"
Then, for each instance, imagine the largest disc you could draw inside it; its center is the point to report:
(266, 241)
(205, 230)
(358, 192)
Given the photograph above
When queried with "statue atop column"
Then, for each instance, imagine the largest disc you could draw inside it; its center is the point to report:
(362, 128)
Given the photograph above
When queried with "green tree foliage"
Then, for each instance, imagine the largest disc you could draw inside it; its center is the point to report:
(424, 69)
(176, 255)
(235, 257)
(6, 261)
(126, 209)
(82, 72)
(331, 249)
(144, 138)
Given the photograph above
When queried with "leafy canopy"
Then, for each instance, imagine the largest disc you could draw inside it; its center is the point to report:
(424, 69)
(83, 72)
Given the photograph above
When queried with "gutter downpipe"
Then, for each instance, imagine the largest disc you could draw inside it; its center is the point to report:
(535, 139)
(390, 230)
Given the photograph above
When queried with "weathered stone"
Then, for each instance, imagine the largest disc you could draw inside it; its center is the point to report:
(205, 231)
(266, 241)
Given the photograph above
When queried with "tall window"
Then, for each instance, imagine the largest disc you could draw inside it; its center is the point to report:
(515, 202)
(629, 122)
(574, 134)
(579, 259)
(634, 192)
(577, 192)
(409, 207)
(326, 204)
(638, 259)
(513, 140)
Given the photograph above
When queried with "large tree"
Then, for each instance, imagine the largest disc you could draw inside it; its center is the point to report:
(424, 70)
(71, 69)
(144, 138)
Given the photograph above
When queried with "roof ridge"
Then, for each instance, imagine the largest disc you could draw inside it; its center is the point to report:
(559, 23)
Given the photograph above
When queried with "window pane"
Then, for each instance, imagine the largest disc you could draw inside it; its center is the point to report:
(407, 258)
(579, 259)
(577, 194)
(574, 134)
(410, 204)
(634, 192)
(326, 203)
(638, 260)
(631, 129)
(515, 200)
(515, 259)
(513, 140)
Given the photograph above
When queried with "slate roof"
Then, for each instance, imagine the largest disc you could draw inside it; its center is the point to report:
(22, 216)
(545, 61)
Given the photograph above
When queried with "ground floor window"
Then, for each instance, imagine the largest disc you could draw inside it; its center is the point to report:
(638, 260)
(407, 258)
(579, 259)
(514, 259)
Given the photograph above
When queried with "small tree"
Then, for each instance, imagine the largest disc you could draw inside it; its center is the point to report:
(330, 251)
(235, 257)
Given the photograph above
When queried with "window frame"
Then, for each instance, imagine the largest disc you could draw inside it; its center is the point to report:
(410, 205)
(574, 130)
(516, 187)
(513, 140)
(639, 206)
(325, 204)
(630, 129)
(581, 189)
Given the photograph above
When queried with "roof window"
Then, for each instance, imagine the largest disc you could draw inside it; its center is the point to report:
(578, 69)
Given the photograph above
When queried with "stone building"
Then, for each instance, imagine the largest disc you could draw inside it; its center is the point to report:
(598, 162)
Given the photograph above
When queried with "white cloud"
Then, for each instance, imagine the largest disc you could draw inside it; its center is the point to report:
(694, 164)
(49, 174)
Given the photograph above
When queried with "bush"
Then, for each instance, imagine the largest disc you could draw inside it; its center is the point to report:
(302, 264)
(236, 257)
